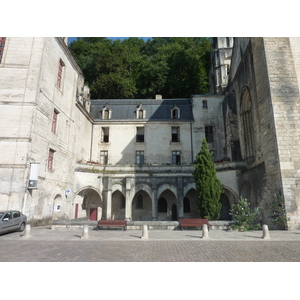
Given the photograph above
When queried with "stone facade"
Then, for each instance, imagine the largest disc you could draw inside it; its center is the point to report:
(31, 97)
(65, 156)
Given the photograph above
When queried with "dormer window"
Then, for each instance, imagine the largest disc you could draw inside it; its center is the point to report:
(106, 113)
(140, 112)
(175, 112)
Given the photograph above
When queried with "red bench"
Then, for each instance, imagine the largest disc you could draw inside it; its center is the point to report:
(112, 223)
(193, 223)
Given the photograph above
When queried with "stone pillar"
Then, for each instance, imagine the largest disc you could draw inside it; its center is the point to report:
(27, 232)
(266, 235)
(180, 197)
(85, 232)
(145, 232)
(205, 232)
(107, 196)
(154, 200)
(128, 205)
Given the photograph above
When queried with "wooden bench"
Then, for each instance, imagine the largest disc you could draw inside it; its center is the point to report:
(112, 223)
(193, 223)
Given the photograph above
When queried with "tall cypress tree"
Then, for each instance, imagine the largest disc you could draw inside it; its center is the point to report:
(209, 187)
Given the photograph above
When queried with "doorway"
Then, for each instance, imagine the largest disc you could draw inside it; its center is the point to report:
(174, 212)
(93, 214)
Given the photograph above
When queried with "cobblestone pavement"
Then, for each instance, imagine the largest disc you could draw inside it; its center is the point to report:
(66, 245)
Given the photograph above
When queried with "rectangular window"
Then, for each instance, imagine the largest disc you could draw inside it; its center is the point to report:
(2, 44)
(105, 134)
(209, 134)
(51, 159)
(204, 104)
(54, 121)
(60, 73)
(140, 134)
(175, 134)
(103, 157)
(139, 157)
(176, 157)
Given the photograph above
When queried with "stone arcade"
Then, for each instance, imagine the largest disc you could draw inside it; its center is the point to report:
(65, 156)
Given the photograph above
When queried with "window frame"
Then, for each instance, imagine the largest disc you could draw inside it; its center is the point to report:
(176, 157)
(105, 135)
(175, 137)
(60, 74)
(50, 161)
(140, 138)
(139, 157)
(103, 157)
(209, 133)
(54, 121)
(2, 45)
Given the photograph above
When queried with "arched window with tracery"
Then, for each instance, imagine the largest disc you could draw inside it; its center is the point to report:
(248, 143)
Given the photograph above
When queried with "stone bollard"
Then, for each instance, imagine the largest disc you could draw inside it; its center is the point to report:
(27, 232)
(145, 232)
(266, 235)
(85, 232)
(205, 231)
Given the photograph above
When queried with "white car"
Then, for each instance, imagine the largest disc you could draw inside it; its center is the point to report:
(12, 220)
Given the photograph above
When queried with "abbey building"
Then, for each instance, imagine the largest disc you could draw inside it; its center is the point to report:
(66, 156)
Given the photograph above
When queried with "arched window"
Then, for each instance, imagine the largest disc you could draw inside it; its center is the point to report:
(175, 112)
(248, 142)
(140, 202)
(162, 205)
(106, 113)
(186, 205)
(140, 112)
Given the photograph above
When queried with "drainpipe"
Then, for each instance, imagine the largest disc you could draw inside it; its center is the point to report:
(92, 136)
(192, 152)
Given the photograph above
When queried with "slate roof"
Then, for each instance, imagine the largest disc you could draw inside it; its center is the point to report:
(156, 110)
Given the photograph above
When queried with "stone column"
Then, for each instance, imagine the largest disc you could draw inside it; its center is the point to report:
(128, 206)
(154, 200)
(180, 197)
(107, 182)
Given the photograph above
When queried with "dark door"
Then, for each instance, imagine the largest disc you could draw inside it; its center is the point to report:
(93, 214)
(174, 212)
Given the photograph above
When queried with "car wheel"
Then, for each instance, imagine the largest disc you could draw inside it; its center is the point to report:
(22, 227)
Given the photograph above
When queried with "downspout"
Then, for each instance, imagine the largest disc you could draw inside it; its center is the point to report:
(192, 152)
(92, 136)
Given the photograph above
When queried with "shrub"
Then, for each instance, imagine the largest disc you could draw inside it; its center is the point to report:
(243, 219)
(278, 214)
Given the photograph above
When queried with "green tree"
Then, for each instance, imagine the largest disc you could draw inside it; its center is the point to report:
(174, 67)
(208, 186)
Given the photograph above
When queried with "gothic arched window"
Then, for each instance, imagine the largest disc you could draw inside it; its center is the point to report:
(248, 142)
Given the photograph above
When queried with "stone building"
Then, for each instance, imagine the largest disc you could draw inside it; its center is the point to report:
(65, 156)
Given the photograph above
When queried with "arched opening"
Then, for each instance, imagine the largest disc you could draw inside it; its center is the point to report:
(186, 205)
(57, 208)
(88, 205)
(118, 206)
(225, 209)
(174, 212)
(190, 207)
(141, 206)
(162, 205)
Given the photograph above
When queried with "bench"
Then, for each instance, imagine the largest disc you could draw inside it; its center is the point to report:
(112, 223)
(193, 223)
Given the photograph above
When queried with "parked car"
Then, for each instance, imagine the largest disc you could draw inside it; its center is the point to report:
(12, 220)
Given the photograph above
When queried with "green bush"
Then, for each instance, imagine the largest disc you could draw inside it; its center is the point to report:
(243, 219)
(278, 214)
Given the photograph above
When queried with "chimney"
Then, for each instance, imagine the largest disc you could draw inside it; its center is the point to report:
(158, 97)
